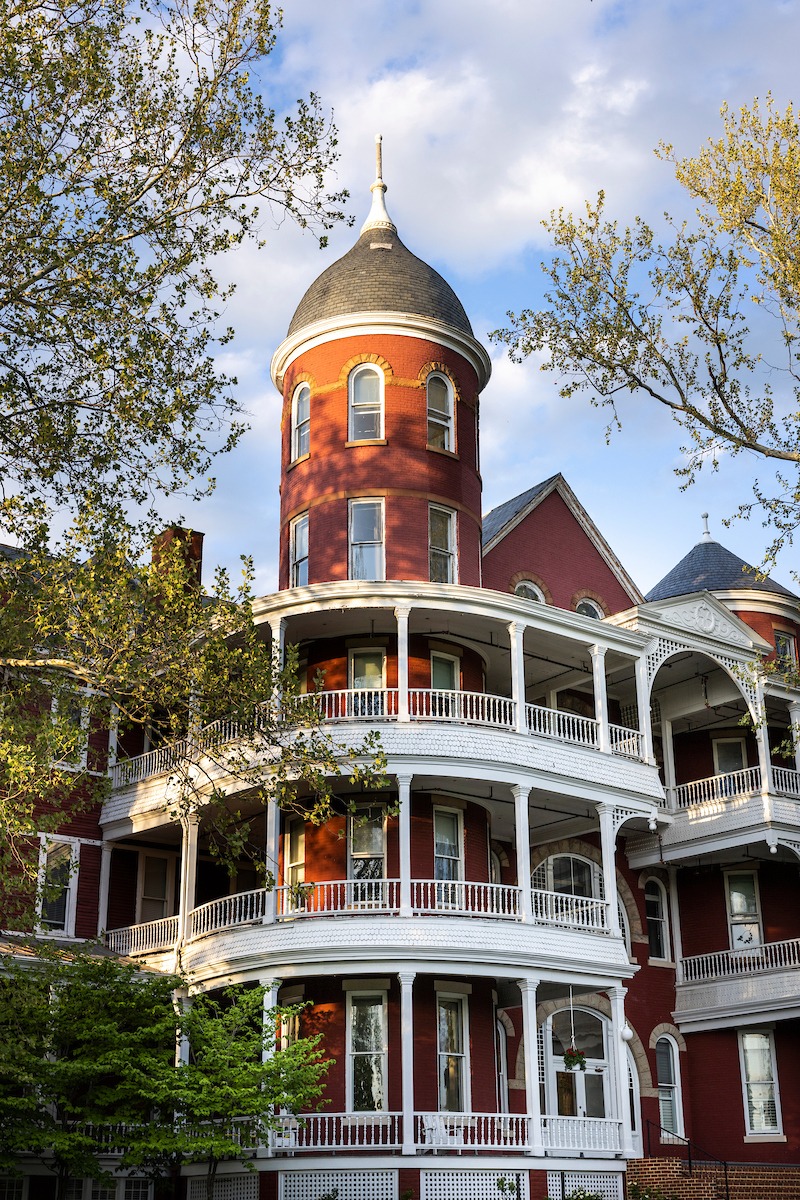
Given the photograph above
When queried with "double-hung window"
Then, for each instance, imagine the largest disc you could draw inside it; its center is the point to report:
(669, 1096)
(744, 915)
(58, 884)
(367, 674)
(155, 887)
(441, 544)
(785, 651)
(452, 1042)
(448, 865)
(759, 1081)
(365, 405)
(298, 551)
(367, 1052)
(366, 541)
(367, 856)
(655, 904)
(301, 421)
(439, 394)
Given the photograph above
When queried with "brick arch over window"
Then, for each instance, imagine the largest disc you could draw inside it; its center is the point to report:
(529, 576)
(588, 594)
(601, 1004)
(673, 1032)
(587, 850)
(358, 360)
(440, 368)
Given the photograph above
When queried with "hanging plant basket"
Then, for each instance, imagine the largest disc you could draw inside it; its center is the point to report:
(574, 1058)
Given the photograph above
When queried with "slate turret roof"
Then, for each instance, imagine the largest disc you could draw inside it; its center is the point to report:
(709, 567)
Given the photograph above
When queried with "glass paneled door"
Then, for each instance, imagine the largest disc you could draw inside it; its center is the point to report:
(447, 857)
(367, 681)
(367, 858)
(578, 1093)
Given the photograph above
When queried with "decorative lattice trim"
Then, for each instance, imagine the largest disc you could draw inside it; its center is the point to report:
(473, 1185)
(604, 1184)
(349, 1185)
(226, 1187)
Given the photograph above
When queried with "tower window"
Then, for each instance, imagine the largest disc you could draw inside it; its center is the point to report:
(301, 421)
(298, 551)
(441, 544)
(669, 1094)
(440, 413)
(365, 538)
(365, 422)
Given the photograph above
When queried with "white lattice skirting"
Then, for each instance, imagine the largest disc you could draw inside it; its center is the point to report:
(226, 1187)
(561, 1184)
(348, 1185)
(473, 1185)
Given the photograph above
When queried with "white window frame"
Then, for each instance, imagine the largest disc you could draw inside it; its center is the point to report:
(521, 588)
(456, 662)
(595, 611)
(169, 899)
(750, 1130)
(352, 505)
(78, 764)
(786, 657)
(729, 741)
(350, 1053)
(294, 870)
(466, 1081)
(449, 892)
(367, 893)
(598, 890)
(352, 407)
(758, 913)
(367, 705)
(663, 920)
(451, 550)
(47, 842)
(554, 1064)
(301, 430)
(674, 1087)
(434, 417)
(294, 561)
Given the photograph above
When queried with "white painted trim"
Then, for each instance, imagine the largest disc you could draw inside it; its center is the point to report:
(677, 1087)
(366, 368)
(48, 841)
(348, 1072)
(450, 993)
(776, 1089)
(352, 504)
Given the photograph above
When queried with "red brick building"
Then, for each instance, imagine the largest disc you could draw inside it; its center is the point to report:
(593, 847)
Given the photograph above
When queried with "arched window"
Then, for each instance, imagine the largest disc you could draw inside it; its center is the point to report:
(365, 405)
(655, 903)
(670, 1108)
(301, 421)
(529, 591)
(588, 608)
(569, 874)
(439, 393)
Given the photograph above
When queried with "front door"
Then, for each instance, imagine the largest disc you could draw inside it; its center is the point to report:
(579, 1093)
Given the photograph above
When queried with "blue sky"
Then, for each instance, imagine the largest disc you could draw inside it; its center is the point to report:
(491, 117)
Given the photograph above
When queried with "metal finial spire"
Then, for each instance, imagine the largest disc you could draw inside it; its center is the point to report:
(378, 216)
(706, 531)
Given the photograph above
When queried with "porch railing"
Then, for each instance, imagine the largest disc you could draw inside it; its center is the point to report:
(144, 939)
(476, 1131)
(582, 1134)
(338, 1131)
(719, 787)
(726, 964)
(464, 898)
(786, 781)
(243, 908)
(628, 743)
(357, 704)
(337, 897)
(571, 912)
(471, 708)
(564, 726)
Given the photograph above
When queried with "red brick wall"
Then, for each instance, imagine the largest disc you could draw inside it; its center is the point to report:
(550, 545)
(707, 1181)
(404, 470)
(329, 656)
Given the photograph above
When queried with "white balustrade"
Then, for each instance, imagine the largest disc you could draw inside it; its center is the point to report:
(243, 908)
(719, 787)
(338, 897)
(581, 1134)
(786, 781)
(771, 956)
(155, 762)
(564, 726)
(628, 743)
(477, 1131)
(337, 1131)
(357, 704)
(462, 898)
(571, 912)
(144, 939)
(470, 708)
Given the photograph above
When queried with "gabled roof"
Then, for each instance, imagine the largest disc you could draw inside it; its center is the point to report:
(501, 520)
(710, 567)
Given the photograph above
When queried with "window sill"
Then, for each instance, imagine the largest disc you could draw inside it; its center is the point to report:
(367, 442)
(296, 461)
(661, 962)
(751, 1138)
(447, 453)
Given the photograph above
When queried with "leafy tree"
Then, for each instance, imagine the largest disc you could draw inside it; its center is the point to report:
(704, 321)
(87, 1067)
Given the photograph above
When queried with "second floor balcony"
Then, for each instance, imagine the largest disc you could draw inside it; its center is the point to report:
(730, 987)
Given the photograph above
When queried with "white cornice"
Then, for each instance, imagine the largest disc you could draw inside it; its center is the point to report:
(376, 324)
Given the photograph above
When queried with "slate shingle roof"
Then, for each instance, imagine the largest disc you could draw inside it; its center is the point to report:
(710, 567)
(499, 517)
(380, 274)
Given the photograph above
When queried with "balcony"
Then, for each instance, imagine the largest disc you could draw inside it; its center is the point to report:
(735, 987)
(376, 705)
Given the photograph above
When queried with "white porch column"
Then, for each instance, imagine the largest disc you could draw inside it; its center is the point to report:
(762, 742)
(552, 699)
(675, 923)
(598, 654)
(643, 708)
(619, 1055)
(523, 848)
(181, 1000)
(533, 1104)
(105, 877)
(404, 830)
(669, 761)
(516, 634)
(190, 828)
(794, 717)
(407, 1058)
(271, 988)
(272, 858)
(608, 846)
(277, 627)
(401, 616)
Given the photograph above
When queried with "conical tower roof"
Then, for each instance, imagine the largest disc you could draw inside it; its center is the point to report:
(709, 567)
